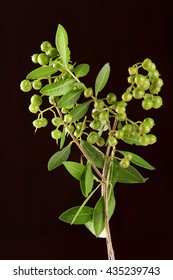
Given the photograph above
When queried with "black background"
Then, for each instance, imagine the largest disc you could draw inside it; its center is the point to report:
(31, 198)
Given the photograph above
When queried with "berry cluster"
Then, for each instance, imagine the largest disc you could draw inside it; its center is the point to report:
(144, 87)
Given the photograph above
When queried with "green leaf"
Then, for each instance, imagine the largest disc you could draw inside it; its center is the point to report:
(79, 111)
(58, 88)
(69, 99)
(61, 42)
(74, 168)
(111, 204)
(63, 137)
(132, 139)
(81, 70)
(59, 157)
(87, 180)
(99, 217)
(94, 154)
(113, 175)
(102, 78)
(90, 227)
(43, 72)
(84, 216)
(138, 160)
(127, 175)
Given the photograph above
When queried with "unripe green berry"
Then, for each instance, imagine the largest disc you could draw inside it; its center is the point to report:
(56, 134)
(127, 96)
(157, 102)
(147, 104)
(138, 93)
(144, 128)
(101, 142)
(121, 117)
(95, 114)
(95, 124)
(34, 108)
(99, 104)
(68, 118)
(88, 92)
(56, 121)
(45, 46)
(34, 58)
(144, 140)
(128, 156)
(152, 138)
(25, 86)
(120, 109)
(124, 163)
(112, 141)
(36, 99)
(37, 84)
(150, 122)
(43, 59)
(44, 122)
(111, 98)
(119, 134)
(132, 70)
(52, 52)
(147, 64)
(93, 137)
(127, 129)
(104, 116)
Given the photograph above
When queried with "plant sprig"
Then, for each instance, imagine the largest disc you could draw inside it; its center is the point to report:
(98, 135)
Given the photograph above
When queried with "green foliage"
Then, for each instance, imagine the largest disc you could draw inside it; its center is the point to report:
(96, 123)
(69, 98)
(84, 216)
(87, 180)
(59, 157)
(58, 88)
(102, 78)
(61, 42)
(81, 70)
(74, 168)
(95, 155)
(43, 72)
(79, 111)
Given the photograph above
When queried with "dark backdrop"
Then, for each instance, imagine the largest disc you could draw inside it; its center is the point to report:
(31, 198)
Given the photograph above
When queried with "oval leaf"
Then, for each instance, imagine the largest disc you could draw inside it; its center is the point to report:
(61, 42)
(95, 155)
(92, 224)
(90, 227)
(42, 72)
(84, 216)
(99, 217)
(59, 157)
(87, 180)
(127, 175)
(69, 99)
(79, 111)
(58, 88)
(102, 78)
(138, 160)
(74, 168)
(81, 70)
(63, 137)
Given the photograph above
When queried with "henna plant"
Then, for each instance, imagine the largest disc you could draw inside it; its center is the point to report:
(97, 136)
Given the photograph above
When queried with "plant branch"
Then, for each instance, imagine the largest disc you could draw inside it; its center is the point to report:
(80, 147)
(105, 187)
